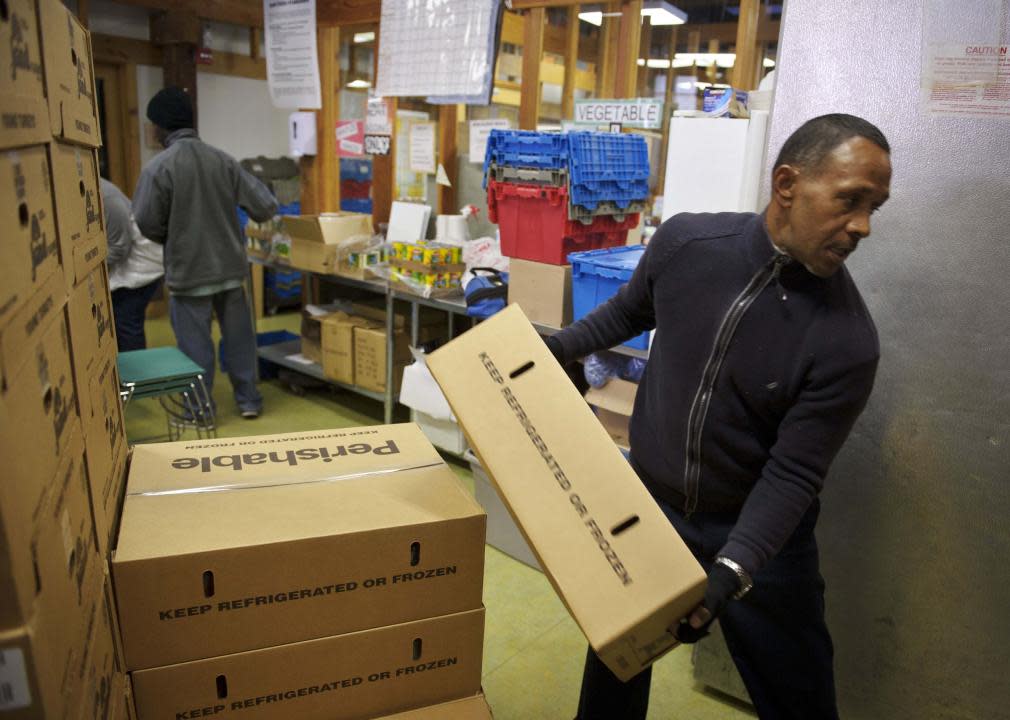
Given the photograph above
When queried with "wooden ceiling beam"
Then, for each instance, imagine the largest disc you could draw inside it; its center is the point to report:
(348, 12)
(248, 13)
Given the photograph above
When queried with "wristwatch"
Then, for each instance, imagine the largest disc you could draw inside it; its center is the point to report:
(745, 580)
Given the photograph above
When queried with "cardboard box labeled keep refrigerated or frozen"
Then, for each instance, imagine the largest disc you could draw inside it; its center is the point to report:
(611, 554)
(69, 75)
(92, 328)
(356, 675)
(78, 201)
(543, 291)
(24, 113)
(471, 708)
(30, 252)
(307, 535)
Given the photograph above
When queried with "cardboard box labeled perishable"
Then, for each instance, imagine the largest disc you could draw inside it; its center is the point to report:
(92, 328)
(471, 708)
(356, 675)
(30, 252)
(308, 535)
(47, 541)
(104, 445)
(543, 291)
(38, 403)
(316, 239)
(78, 202)
(613, 403)
(24, 115)
(611, 554)
(69, 75)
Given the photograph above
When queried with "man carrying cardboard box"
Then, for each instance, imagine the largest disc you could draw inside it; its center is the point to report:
(186, 199)
(763, 358)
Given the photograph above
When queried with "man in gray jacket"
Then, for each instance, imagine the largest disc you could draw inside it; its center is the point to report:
(186, 199)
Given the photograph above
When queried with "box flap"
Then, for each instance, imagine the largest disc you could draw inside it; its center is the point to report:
(329, 229)
(617, 396)
(610, 552)
(191, 497)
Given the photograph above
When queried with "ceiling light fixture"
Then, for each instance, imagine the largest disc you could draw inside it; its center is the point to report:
(659, 12)
(364, 37)
(359, 84)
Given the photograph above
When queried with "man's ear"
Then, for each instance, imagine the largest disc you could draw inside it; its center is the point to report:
(784, 179)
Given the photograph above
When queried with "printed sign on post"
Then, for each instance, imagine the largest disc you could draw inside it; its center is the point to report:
(377, 144)
(292, 63)
(479, 132)
(422, 147)
(378, 117)
(638, 113)
(350, 138)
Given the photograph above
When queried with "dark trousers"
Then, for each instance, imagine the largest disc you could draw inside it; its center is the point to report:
(776, 634)
(129, 308)
(191, 321)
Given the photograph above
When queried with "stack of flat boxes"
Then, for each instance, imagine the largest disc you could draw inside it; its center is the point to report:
(331, 575)
(62, 433)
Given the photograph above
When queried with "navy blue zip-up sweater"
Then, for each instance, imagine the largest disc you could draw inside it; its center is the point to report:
(757, 372)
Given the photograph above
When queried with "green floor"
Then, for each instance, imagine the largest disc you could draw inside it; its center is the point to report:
(533, 651)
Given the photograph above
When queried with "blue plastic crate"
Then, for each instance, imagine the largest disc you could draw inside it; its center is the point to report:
(294, 208)
(357, 205)
(267, 369)
(355, 169)
(607, 167)
(525, 149)
(597, 275)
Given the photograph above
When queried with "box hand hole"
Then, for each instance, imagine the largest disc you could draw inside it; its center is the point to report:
(625, 525)
(208, 583)
(23, 214)
(81, 187)
(416, 649)
(415, 553)
(4, 13)
(222, 687)
(521, 369)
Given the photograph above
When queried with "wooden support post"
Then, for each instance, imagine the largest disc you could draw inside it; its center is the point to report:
(254, 43)
(178, 32)
(533, 48)
(606, 59)
(328, 44)
(671, 79)
(629, 36)
(131, 125)
(447, 157)
(571, 63)
(83, 10)
(383, 166)
(745, 69)
(644, 88)
(711, 70)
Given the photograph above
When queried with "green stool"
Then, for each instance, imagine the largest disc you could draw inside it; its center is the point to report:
(168, 374)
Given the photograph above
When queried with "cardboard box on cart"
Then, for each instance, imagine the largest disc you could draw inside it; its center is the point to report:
(315, 239)
(308, 535)
(344, 677)
(611, 554)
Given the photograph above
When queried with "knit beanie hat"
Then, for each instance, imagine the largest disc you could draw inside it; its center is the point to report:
(171, 108)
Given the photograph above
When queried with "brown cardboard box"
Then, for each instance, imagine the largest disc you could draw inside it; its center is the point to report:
(104, 681)
(312, 336)
(370, 356)
(30, 251)
(609, 551)
(45, 662)
(104, 444)
(288, 554)
(38, 402)
(69, 75)
(78, 201)
(614, 403)
(543, 291)
(24, 113)
(471, 708)
(92, 329)
(338, 346)
(47, 541)
(315, 239)
(356, 675)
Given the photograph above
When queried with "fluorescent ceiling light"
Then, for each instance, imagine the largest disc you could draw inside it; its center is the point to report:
(364, 37)
(723, 60)
(663, 13)
(768, 63)
(357, 84)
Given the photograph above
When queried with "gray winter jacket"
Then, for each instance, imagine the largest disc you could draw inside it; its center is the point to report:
(186, 199)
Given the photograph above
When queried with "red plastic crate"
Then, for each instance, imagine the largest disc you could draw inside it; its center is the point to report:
(355, 189)
(534, 225)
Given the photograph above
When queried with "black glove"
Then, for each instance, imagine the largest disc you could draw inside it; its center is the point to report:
(554, 345)
(723, 584)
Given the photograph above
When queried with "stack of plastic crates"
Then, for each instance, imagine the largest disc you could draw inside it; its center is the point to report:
(552, 194)
(355, 185)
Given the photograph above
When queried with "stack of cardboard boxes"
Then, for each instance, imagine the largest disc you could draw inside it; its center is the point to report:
(62, 436)
(331, 575)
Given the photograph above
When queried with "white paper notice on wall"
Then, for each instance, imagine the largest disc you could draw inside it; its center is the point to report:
(479, 132)
(14, 691)
(970, 78)
(422, 147)
(292, 63)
